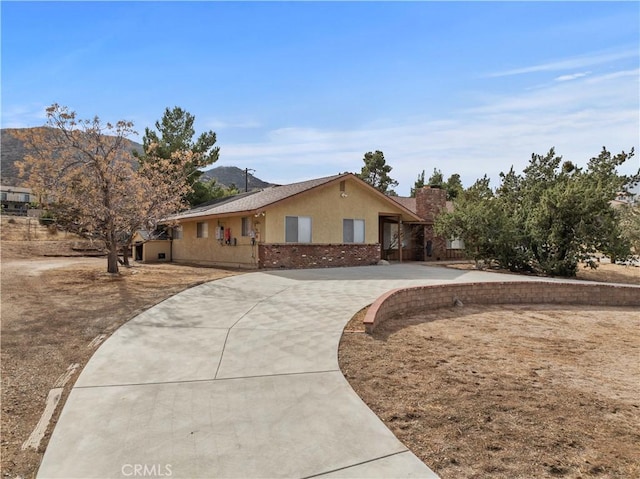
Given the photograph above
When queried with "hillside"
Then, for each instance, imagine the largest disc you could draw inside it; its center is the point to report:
(232, 175)
(12, 150)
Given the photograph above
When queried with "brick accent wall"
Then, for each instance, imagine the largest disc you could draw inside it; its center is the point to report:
(438, 245)
(410, 300)
(297, 256)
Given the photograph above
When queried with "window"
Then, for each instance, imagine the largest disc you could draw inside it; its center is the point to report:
(26, 198)
(246, 226)
(297, 229)
(177, 232)
(352, 231)
(202, 230)
(455, 244)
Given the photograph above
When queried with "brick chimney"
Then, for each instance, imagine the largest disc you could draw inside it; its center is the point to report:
(430, 201)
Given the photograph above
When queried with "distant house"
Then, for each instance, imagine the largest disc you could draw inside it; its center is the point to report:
(15, 200)
(333, 221)
(631, 197)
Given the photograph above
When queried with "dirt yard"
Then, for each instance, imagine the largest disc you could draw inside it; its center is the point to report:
(506, 391)
(474, 393)
(605, 272)
(55, 313)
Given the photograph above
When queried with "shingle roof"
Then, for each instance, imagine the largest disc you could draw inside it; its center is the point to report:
(408, 203)
(254, 200)
(147, 235)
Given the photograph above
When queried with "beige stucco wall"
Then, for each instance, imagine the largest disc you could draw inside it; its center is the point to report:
(152, 249)
(210, 251)
(327, 207)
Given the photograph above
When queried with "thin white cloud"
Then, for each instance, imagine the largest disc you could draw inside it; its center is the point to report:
(577, 117)
(610, 91)
(218, 124)
(615, 75)
(573, 76)
(570, 63)
(23, 116)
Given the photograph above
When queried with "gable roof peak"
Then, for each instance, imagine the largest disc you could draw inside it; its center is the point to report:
(255, 200)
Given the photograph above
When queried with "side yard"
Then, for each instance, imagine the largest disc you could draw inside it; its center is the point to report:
(438, 389)
(507, 391)
(606, 272)
(55, 313)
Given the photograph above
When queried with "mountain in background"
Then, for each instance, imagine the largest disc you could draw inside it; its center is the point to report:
(232, 175)
(12, 150)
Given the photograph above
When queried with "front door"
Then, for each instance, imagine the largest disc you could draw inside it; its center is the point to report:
(390, 238)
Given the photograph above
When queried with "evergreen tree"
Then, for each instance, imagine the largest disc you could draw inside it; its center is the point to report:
(550, 218)
(417, 185)
(376, 172)
(174, 133)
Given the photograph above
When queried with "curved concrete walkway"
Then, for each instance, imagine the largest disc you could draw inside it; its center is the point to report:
(237, 378)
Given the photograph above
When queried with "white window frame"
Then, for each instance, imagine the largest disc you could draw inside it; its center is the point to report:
(246, 226)
(202, 229)
(177, 232)
(455, 243)
(303, 226)
(358, 231)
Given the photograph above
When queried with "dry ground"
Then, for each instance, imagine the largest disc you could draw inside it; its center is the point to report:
(611, 273)
(52, 308)
(606, 272)
(535, 391)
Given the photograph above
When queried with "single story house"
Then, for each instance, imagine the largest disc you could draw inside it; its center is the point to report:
(15, 200)
(333, 221)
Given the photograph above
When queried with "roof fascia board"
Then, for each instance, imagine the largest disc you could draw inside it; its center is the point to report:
(387, 198)
(268, 205)
(362, 183)
(217, 216)
(316, 188)
(313, 188)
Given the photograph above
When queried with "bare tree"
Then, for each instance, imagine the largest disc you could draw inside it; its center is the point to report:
(86, 175)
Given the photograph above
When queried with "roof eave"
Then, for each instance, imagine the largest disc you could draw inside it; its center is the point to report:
(205, 216)
(387, 198)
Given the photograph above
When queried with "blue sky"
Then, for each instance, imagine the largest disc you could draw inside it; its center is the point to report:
(297, 90)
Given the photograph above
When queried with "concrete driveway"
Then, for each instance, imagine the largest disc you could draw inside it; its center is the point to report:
(237, 378)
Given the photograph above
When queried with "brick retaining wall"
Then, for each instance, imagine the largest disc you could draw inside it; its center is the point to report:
(422, 298)
(296, 256)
